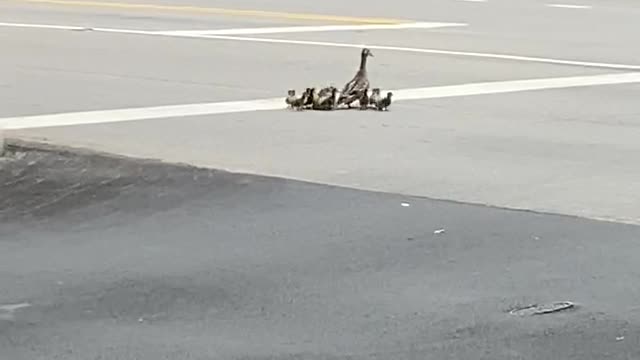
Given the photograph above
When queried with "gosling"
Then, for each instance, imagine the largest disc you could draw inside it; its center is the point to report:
(375, 97)
(310, 94)
(328, 100)
(384, 103)
(294, 102)
(364, 100)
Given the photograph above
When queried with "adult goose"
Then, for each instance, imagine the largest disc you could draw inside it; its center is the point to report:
(355, 88)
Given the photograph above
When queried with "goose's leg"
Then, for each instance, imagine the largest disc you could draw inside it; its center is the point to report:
(350, 100)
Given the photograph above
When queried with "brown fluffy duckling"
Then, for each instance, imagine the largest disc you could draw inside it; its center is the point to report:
(314, 98)
(310, 95)
(327, 101)
(294, 102)
(385, 102)
(291, 98)
(375, 97)
(364, 100)
(325, 91)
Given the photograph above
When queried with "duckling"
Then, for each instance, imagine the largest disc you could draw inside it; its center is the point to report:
(291, 97)
(315, 99)
(325, 91)
(364, 100)
(299, 103)
(322, 97)
(352, 90)
(327, 101)
(308, 103)
(375, 97)
(334, 98)
(384, 103)
(294, 102)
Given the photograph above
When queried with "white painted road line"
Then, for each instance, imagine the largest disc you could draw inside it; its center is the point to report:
(7, 311)
(75, 28)
(170, 111)
(499, 87)
(569, 6)
(14, 307)
(40, 26)
(506, 57)
(155, 112)
(435, 51)
(305, 29)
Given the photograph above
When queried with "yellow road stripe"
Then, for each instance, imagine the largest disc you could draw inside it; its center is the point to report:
(219, 11)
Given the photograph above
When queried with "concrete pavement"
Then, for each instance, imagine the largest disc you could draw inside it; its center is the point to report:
(406, 153)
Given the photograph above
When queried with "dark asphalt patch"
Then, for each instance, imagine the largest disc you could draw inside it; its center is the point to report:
(40, 184)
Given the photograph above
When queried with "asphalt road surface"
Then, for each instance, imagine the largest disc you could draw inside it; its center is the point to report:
(323, 241)
(123, 259)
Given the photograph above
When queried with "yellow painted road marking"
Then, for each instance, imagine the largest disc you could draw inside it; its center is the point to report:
(218, 11)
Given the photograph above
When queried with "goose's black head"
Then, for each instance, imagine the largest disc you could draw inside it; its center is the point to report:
(389, 95)
(291, 92)
(375, 91)
(366, 52)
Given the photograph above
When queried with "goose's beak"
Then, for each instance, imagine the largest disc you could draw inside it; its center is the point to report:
(371, 54)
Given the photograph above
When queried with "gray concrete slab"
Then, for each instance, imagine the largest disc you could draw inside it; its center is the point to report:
(516, 27)
(60, 71)
(135, 260)
(523, 27)
(474, 38)
(482, 149)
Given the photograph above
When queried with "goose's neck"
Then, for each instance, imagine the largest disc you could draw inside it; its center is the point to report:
(363, 62)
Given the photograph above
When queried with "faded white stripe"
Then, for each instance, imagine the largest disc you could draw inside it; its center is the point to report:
(348, 45)
(170, 111)
(305, 29)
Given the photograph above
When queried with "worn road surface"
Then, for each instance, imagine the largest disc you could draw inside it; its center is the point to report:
(322, 238)
(121, 259)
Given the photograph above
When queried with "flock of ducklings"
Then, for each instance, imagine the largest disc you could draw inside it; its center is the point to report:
(329, 98)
